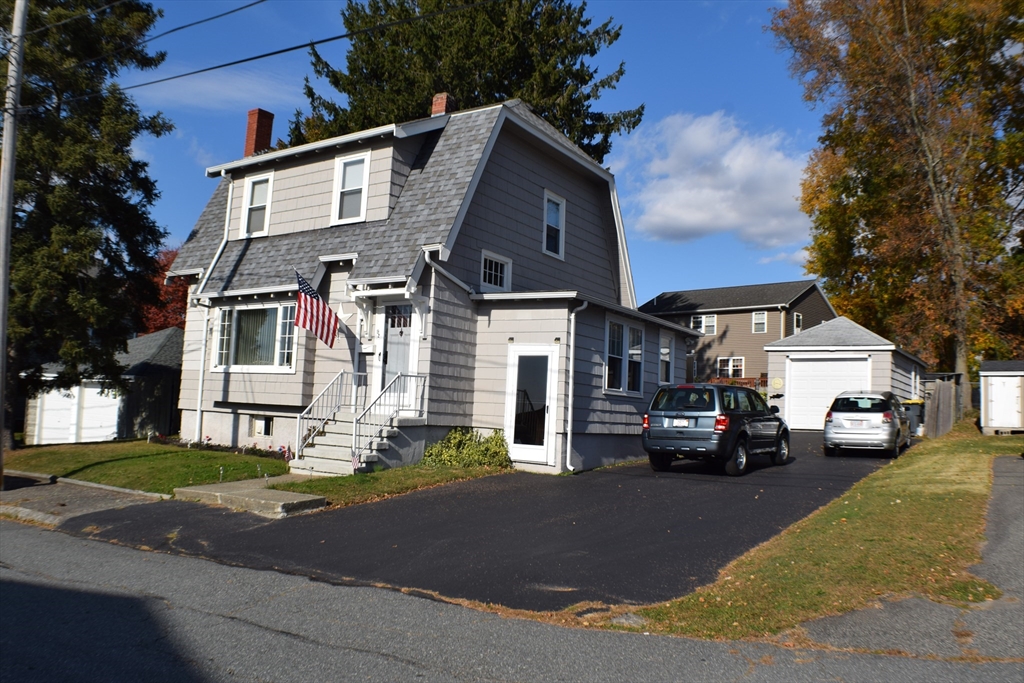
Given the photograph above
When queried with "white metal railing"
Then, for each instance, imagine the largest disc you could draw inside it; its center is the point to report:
(404, 394)
(347, 390)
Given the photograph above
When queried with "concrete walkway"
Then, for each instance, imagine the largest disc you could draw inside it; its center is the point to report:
(253, 495)
(47, 499)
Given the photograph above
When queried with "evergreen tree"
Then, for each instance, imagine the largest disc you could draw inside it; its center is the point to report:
(84, 246)
(535, 50)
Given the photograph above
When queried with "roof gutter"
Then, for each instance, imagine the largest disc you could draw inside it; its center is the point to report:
(223, 242)
(438, 268)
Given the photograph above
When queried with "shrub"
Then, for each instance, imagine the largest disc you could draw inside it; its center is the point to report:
(467, 448)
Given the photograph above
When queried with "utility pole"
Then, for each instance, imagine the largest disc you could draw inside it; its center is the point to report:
(12, 99)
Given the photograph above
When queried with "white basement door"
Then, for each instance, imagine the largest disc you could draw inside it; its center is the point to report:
(814, 382)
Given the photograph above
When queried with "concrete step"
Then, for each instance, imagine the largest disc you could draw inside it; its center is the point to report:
(336, 440)
(319, 464)
(252, 495)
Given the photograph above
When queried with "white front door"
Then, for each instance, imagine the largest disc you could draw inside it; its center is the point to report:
(530, 402)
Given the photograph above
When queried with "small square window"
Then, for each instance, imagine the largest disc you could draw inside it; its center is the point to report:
(495, 273)
(730, 367)
(704, 323)
(261, 425)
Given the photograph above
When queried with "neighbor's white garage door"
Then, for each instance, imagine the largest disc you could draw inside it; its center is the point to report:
(83, 414)
(814, 382)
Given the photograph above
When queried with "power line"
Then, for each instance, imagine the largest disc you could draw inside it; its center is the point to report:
(303, 46)
(77, 16)
(166, 33)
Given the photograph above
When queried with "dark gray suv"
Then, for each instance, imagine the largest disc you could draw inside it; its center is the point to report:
(718, 422)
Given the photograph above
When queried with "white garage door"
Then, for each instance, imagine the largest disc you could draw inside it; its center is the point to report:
(98, 418)
(56, 417)
(84, 414)
(814, 382)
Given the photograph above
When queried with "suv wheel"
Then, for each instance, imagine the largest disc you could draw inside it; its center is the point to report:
(895, 452)
(781, 454)
(737, 463)
(659, 461)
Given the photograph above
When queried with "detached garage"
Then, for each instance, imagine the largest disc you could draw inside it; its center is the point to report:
(1002, 396)
(806, 371)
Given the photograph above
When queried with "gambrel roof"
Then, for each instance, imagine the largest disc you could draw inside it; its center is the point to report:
(428, 212)
(771, 295)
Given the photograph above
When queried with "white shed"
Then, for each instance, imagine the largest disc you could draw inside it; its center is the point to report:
(1002, 396)
(806, 371)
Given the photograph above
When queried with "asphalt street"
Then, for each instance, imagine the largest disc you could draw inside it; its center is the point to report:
(621, 535)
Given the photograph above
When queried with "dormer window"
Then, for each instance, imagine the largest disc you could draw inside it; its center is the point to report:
(257, 205)
(554, 225)
(348, 203)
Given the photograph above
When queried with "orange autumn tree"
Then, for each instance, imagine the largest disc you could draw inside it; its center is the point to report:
(914, 192)
(169, 308)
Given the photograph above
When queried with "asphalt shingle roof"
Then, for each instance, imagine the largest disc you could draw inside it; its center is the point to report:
(424, 215)
(838, 332)
(722, 298)
(149, 354)
(1002, 366)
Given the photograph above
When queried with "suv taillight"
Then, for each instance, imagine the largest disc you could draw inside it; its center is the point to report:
(721, 423)
(647, 421)
(828, 416)
(887, 417)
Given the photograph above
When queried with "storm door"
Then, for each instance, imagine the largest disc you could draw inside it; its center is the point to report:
(530, 402)
(397, 341)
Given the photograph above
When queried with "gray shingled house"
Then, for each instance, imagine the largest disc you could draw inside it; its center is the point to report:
(478, 262)
(738, 321)
(811, 368)
(89, 413)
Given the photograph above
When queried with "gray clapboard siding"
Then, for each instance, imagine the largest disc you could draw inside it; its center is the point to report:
(329, 362)
(449, 357)
(506, 217)
(735, 338)
(815, 310)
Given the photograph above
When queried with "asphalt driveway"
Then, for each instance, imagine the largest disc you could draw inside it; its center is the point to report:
(620, 535)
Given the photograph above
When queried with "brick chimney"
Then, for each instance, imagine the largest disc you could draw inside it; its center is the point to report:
(443, 104)
(258, 132)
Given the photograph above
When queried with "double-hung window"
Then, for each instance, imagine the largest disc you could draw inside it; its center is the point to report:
(624, 354)
(256, 338)
(258, 190)
(495, 273)
(704, 323)
(759, 322)
(798, 323)
(665, 349)
(730, 367)
(554, 225)
(351, 174)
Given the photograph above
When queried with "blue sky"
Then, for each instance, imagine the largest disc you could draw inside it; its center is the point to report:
(708, 183)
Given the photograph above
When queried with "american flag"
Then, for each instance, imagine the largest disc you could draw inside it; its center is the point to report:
(313, 313)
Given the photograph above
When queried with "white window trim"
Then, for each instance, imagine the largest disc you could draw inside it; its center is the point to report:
(264, 369)
(624, 379)
(741, 359)
(484, 286)
(671, 357)
(339, 162)
(753, 322)
(703, 324)
(249, 180)
(798, 323)
(551, 196)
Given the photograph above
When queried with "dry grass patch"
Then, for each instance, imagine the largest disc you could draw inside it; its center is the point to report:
(371, 486)
(912, 527)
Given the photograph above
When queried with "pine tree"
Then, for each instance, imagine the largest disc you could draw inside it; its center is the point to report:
(535, 50)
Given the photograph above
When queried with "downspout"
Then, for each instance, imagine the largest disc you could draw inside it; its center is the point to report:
(438, 268)
(572, 383)
(206, 314)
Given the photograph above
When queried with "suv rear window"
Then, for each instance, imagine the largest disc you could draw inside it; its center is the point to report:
(691, 398)
(860, 404)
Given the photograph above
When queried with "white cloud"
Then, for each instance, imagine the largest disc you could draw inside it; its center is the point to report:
(692, 176)
(234, 89)
(196, 151)
(796, 258)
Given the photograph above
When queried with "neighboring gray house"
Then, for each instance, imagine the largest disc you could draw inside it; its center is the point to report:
(810, 368)
(478, 262)
(88, 413)
(738, 321)
(1002, 396)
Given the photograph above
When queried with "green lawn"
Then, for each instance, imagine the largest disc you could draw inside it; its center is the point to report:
(154, 467)
(912, 527)
(366, 487)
